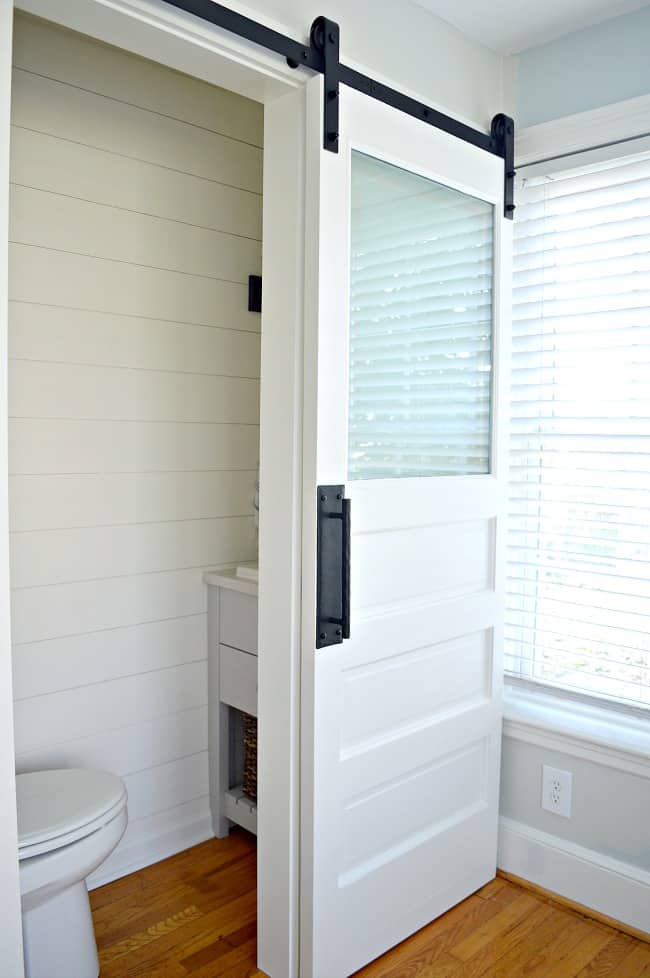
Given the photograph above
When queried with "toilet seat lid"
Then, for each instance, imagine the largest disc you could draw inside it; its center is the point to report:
(55, 805)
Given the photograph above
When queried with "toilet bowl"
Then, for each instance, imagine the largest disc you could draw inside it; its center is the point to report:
(69, 821)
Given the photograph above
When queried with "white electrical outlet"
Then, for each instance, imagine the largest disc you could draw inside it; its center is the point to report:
(556, 791)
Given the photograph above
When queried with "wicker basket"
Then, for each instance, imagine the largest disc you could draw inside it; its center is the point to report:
(249, 783)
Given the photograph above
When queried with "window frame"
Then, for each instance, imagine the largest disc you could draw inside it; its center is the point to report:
(600, 729)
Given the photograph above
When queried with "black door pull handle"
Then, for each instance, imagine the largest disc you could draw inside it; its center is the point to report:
(345, 568)
(333, 566)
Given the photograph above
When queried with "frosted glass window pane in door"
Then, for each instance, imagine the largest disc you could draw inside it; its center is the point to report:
(420, 326)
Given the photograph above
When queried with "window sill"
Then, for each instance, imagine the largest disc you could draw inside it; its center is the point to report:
(592, 732)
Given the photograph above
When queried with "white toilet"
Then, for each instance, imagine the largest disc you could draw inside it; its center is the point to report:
(69, 821)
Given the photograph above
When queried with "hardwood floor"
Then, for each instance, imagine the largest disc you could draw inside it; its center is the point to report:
(195, 915)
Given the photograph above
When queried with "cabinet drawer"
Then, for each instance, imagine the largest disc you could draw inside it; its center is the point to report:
(238, 679)
(238, 620)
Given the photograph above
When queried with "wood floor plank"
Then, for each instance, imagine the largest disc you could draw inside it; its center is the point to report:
(208, 955)
(427, 945)
(236, 960)
(216, 949)
(581, 955)
(193, 936)
(430, 944)
(505, 894)
(569, 933)
(607, 962)
(491, 889)
(636, 964)
(207, 893)
(155, 932)
(168, 969)
(194, 916)
(204, 935)
(113, 924)
(444, 967)
(512, 947)
(491, 929)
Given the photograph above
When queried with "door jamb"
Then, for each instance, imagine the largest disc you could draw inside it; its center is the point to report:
(12, 945)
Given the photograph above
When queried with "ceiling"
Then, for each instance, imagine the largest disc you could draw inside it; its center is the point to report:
(511, 26)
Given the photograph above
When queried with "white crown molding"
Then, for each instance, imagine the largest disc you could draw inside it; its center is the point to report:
(606, 885)
(583, 131)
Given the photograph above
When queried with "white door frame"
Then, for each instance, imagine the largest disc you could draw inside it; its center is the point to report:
(11, 954)
(155, 30)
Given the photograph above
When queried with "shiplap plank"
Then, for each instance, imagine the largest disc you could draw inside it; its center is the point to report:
(60, 110)
(55, 278)
(44, 161)
(157, 788)
(48, 220)
(56, 664)
(61, 446)
(79, 60)
(69, 390)
(161, 787)
(39, 613)
(39, 332)
(66, 501)
(42, 721)
(128, 749)
(45, 557)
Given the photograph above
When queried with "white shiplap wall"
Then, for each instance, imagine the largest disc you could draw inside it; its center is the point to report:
(134, 405)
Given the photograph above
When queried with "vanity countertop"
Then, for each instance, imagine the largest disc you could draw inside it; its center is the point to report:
(233, 580)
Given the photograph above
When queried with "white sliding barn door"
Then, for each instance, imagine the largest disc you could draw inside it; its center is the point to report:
(404, 399)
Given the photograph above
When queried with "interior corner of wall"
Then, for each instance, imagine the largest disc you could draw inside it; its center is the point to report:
(509, 75)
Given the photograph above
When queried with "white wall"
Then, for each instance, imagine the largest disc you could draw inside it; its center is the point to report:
(134, 404)
(610, 807)
(11, 956)
(597, 66)
(400, 41)
(409, 47)
(600, 856)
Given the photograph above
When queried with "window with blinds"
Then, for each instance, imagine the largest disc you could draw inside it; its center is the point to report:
(578, 603)
(421, 269)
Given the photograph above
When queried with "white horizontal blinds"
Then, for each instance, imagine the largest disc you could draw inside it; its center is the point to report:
(578, 609)
(420, 326)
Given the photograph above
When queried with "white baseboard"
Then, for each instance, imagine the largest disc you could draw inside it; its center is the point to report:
(165, 840)
(606, 885)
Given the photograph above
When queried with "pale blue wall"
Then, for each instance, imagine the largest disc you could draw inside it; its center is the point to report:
(605, 63)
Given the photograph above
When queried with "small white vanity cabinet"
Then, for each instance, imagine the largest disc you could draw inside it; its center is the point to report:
(232, 691)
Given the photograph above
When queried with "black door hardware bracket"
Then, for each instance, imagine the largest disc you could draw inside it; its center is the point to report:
(325, 38)
(322, 56)
(503, 133)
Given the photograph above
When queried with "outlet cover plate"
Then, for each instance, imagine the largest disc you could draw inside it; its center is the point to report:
(556, 790)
